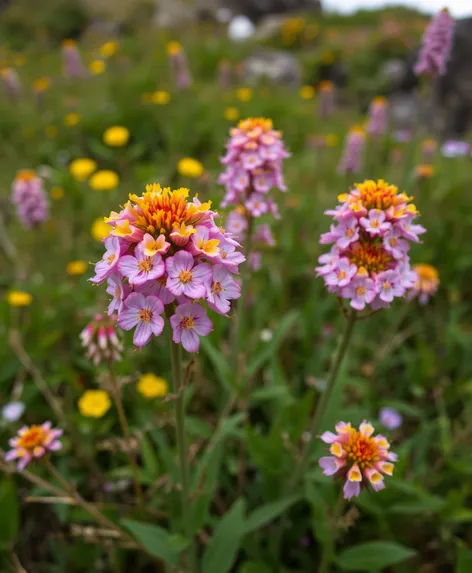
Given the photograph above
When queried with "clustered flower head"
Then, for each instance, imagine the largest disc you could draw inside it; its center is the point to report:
(253, 161)
(436, 45)
(353, 154)
(30, 198)
(11, 82)
(378, 117)
(358, 457)
(369, 263)
(100, 339)
(426, 283)
(165, 250)
(178, 61)
(325, 99)
(73, 66)
(33, 442)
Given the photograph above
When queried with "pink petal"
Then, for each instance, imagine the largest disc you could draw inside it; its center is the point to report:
(351, 489)
(328, 465)
(190, 340)
(328, 437)
(128, 319)
(142, 334)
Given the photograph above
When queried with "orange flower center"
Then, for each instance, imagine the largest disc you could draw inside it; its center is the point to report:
(32, 438)
(381, 195)
(145, 315)
(370, 257)
(216, 287)
(145, 265)
(361, 450)
(162, 281)
(185, 276)
(111, 258)
(187, 322)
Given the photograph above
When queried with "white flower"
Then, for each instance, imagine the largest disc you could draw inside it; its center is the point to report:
(13, 411)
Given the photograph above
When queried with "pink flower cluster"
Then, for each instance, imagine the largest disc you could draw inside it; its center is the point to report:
(353, 154)
(11, 82)
(33, 442)
(167, 251)
(359, 458)
(369, 263)
(253, 163)
(378, 117)
(179, 65)
(72, 64)
(436, 47)
(30, 198)
(100, 339)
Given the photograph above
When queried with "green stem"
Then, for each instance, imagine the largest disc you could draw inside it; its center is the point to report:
(328, 549)
(182, 450)
(318, 418)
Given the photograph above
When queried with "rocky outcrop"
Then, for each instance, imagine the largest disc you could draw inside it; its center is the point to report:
(273, 66)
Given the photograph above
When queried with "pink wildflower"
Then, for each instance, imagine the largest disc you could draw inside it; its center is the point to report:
(358, 457)
(436, 47)
(353, 155)
(369, 263)
(189, 322)
(144, 314)
(30, 199)
(378, 117)
(33, 442)
(73, 66)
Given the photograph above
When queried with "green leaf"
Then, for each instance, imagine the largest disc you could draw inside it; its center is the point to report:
(373, 556)
(222, 550)
(165, 452)
(219, 362)
(151, 464)
(270, 348)
(267, 513)
(255, 567)
(155, 540)
(430, 504)
(464, 560)
(8, 507)
(319, 510)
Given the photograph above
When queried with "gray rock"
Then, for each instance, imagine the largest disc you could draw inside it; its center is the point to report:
(256, 9)
(274, 66)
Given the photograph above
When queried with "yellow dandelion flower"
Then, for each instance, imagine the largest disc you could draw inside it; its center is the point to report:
(109, 49)
(231, 114)
(151, 386)
(72, 119)
(57, 193)
(96, 67)
(41, 85)
(76, 268)
(82, 168)
(174, 48)
(94, 403)
(105, 180)
(244, 94)
(189, 167)
(19, 298)
(116, 136)
(100, 229)
(424, 171)
(159, 97)
(307, 92)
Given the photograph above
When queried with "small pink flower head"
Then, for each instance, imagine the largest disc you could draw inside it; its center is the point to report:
(144, 313)
(33, 442)
(378, 117)
(73, 66)
(178, 62)
(139, 268)
(390, 418)
(325, 99)
(436, 46)
(426, 283)
(353, 154)
(185, 277)
(109, 263)
(189, 322)
(221, 289)
(253, 165)
(12, 83)
(101, 341)
(369, 263)
(358, 457)
(30, 199)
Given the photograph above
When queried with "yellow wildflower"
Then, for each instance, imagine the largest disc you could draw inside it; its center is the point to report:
(76, 268)
(424, 171)
(244, 94)
(41, 85)
(160, 97)
(307, 92)
(82, 168)
(116, 136)
(174, 48)
(100, 229)
(94, 403)
(72, 119)
(18, 298)
(96, 67)
(231, 114)
(104, 180)
(188, 167)
(109, 49)
(331, 140)
(151, 386)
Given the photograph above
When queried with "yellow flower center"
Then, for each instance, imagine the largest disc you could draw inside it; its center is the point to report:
(111, 258)
(145, 315)
(216, 287)
(250, 124)
(370, 257)
(187, 323)
(145, 265)
(185, 276)
(380, 195)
